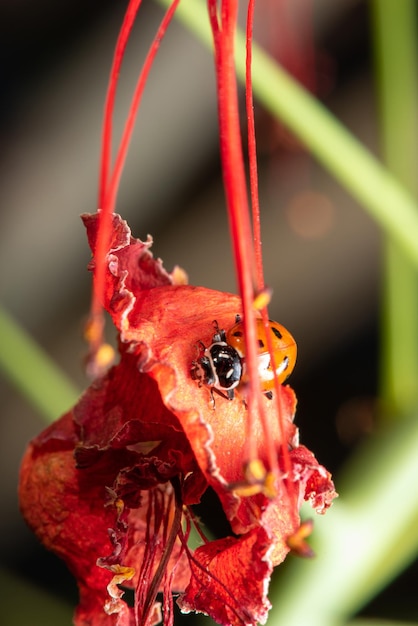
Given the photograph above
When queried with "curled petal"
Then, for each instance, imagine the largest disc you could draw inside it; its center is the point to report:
(131, 267)
(315, 481)
(96, 515)
(65, 509)
(230, 578)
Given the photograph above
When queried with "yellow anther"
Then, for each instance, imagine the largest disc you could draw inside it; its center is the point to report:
(297, 543)
(255, 471)
(262, 299)
(105, 356)
(257, 480)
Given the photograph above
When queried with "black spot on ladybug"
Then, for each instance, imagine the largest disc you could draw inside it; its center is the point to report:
(237, 333)
(260, 343)
(276, 332)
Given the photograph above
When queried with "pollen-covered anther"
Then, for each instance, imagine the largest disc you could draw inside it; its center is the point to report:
(121, 574)
(101, 355)
(179, 276)
(93, 329)
(120, 506)
(257, 480)
(262, 299)
(297, 542)
(99, 360)
(105, 356)
(255, 471)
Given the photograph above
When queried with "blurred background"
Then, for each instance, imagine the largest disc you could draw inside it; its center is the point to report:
(322, 252)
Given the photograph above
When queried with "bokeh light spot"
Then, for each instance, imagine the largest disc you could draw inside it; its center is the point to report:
(310, 214)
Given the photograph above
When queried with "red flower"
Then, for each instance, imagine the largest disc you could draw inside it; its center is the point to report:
(109, 486)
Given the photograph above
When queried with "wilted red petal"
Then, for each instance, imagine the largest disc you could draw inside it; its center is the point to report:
(131, 267)
(73, 508)
(65, 509)
(163, 325)
(144, 441)
(316, 484)
(229, 579)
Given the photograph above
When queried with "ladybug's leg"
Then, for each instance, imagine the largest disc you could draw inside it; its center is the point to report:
(220, 334)
(212, 397)
(229, 395)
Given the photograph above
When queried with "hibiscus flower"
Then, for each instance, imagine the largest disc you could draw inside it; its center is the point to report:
(110, 487)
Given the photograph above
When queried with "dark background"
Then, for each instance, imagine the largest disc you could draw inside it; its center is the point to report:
(322, 252)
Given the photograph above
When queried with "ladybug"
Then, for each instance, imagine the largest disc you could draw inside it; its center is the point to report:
(284, 351)
(219, 366)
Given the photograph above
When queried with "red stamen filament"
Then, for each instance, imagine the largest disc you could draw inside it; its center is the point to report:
(252, 150)
(255, 206)
(136, 100)
(235, 189)
(121, 44)
(109, 182)
(161, 513)
(246, 242)
(246, 245)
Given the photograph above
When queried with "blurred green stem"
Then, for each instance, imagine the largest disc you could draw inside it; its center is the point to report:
(363, 542)
(396, 64)
(33, 372)
(371, 533)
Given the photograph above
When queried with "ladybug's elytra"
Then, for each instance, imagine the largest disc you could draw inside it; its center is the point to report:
(283, 347)
(221, 366)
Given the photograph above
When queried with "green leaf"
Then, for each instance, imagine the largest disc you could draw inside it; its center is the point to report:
(33, 372)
